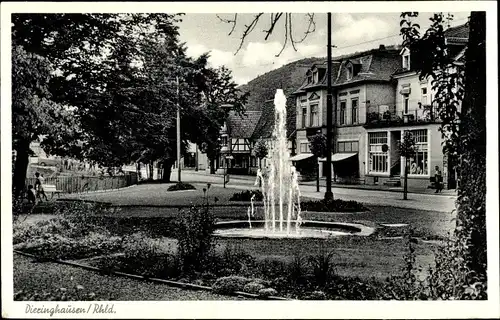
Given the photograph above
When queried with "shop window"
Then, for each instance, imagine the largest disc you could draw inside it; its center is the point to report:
(418, 163)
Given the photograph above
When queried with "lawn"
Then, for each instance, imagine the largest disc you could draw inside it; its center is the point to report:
(154, 211)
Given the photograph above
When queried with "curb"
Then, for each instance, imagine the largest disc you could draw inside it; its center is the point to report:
(171, 283)
(100, 191)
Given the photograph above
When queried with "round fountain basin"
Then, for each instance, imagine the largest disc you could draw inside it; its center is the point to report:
(308, 229)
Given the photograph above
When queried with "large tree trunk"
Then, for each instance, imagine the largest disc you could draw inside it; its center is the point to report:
(20, 168)
(471, 213)
(212, 165)
(167, 169)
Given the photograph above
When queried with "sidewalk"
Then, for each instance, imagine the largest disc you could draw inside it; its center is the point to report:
(249, 180)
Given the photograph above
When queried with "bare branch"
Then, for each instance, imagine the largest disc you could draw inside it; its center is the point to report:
(233, 22)
(248, 29)
(310, 28)
(289, 16)
(274, 19)
(286, 36)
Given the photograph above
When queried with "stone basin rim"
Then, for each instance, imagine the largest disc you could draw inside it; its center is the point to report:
(356, 229)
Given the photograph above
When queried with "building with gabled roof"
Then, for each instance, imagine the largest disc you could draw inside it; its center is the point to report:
(358, 80)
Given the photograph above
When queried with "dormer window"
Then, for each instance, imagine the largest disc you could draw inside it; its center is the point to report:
(405, 56)
(315, 76)
(350, 71)
(309, 79)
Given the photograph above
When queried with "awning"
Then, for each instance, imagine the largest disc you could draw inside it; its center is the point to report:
(301, 156)
(339, 157)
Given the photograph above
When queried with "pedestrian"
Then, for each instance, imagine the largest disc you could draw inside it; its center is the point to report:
(31, 194)
(39, 182)
(438, 180)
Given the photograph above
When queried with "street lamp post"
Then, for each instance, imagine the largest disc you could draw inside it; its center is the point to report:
(329, 126)
(178, 132)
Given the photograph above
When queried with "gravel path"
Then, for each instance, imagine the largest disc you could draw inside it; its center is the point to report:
(30, 275)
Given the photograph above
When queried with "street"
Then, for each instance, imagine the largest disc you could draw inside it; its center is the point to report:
(432, 202)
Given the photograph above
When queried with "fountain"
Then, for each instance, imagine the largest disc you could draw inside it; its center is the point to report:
(281, 195)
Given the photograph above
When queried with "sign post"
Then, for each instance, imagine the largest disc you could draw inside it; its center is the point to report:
(226, 176)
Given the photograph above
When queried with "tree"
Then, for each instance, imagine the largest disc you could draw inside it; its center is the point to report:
(317, 145)
(218, 88)
(463, 126)
(260, 150)
(93, 56)
(407, 150)
(34, 113)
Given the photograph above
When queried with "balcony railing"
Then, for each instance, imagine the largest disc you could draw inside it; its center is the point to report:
(384, 115)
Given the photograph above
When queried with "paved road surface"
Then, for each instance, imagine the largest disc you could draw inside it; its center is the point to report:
(444, 203)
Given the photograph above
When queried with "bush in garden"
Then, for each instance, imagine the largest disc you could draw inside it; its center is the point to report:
(230, 284)
(194, 230)
(323, 267)
(253, 287)
(232, 260)
(267, 292)
(247, 195)
(181, 186)
(336, 205)
(57, 246)
(297, 270)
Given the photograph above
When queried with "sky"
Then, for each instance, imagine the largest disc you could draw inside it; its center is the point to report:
(351, 32)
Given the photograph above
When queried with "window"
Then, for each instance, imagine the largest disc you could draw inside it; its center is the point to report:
(349, 71)
(304, 147)
(423, 98)
(418, 163)
(309, 79)
(354, 113)
(240, 145)
(224, 141)
(304, 116)
(406, 62)
(378, 160)
(315, 77)
(314, 119)
(343, 114)
(347, 146)
(406, 102)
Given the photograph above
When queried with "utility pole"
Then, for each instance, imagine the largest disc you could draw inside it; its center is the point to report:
(178, 132)
(329, 126)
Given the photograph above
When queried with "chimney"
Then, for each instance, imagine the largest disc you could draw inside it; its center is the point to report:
(381, 47)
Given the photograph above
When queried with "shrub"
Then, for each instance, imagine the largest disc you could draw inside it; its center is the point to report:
(230, 284)
(268, 292)
(194, 230)
(247, 195)
(56, 246)
(322, 265)
(233, 260)
(297, 270)
(253, 287)
(336, 205)
(181, 186)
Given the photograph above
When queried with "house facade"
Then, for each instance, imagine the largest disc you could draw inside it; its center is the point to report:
(359, 81)
(376, 97)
